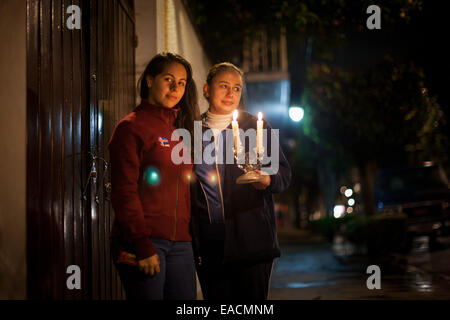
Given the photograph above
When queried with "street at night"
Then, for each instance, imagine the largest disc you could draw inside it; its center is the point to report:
(150, 146)
(332, 271)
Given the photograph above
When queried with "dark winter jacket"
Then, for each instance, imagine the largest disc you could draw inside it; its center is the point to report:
(150, 194)
(248, 215)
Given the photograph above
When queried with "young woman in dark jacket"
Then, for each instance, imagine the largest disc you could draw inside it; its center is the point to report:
(151, 241)
(234, 225)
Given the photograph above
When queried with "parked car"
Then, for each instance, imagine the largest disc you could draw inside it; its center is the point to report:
(422, 193)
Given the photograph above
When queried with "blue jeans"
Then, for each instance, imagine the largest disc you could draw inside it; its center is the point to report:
(176, 281)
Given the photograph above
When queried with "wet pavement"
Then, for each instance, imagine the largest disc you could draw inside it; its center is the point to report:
(338, 271)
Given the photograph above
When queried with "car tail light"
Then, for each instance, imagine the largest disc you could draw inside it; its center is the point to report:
(437, 226)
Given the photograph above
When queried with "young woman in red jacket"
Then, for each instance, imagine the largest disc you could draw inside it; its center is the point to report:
(151, 240)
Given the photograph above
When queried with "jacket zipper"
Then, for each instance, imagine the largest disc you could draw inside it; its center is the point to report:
(176, 204)
(178, 187)
(220, 191)
(209, 216)
(207, 203)
(218, 177)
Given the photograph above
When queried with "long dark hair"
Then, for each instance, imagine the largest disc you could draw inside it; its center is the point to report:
(189, 111)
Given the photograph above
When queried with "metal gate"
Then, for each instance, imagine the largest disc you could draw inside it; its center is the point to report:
(80, 82)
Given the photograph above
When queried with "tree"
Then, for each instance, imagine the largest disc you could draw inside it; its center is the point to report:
(379, 116)
(223, 25)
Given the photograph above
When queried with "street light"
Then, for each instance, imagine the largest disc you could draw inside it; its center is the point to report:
(348, 193)
(296, 113)
(338, 210)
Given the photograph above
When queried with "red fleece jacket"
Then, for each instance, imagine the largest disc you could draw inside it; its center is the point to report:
(150, 194)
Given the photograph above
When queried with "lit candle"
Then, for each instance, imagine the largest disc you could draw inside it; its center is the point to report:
(259, 134)
(235, 127)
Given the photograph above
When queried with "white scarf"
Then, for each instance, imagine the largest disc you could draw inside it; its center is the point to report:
(218, 123)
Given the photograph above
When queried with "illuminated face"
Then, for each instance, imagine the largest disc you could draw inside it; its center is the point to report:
(167, 88)
(224, 93)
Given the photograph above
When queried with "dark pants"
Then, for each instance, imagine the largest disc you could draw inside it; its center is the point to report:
(176, 281)
(232, 281)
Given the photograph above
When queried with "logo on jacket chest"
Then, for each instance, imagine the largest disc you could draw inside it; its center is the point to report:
(164, 142)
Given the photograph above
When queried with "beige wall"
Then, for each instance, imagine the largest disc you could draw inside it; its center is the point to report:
(145, 11)
(12, 149)
(163, 25)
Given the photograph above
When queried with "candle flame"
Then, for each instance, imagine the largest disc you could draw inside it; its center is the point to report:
(260, 116)
(235, 115)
